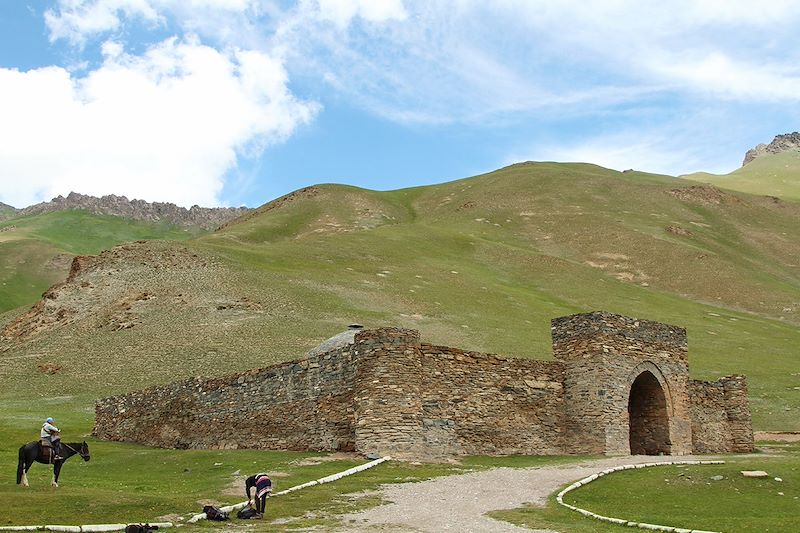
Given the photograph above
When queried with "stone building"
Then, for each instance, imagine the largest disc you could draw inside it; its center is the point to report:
(618, 386)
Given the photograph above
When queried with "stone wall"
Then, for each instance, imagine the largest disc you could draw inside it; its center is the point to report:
(475, 403)
(721, 416)
(301, 405)
(618, 385)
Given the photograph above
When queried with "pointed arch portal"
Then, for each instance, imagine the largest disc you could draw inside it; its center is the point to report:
(647, 416)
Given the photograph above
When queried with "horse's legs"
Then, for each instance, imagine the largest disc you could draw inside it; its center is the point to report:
(56, 472)
(25, 467)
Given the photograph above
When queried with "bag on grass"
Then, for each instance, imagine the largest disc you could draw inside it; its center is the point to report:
(246, 513)
(140, 528)
(212, 513)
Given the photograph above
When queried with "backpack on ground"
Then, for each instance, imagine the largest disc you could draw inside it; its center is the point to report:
(140, 528)
(212, 513)
(246, 513)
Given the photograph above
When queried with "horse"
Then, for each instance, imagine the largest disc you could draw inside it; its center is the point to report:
(33, 451)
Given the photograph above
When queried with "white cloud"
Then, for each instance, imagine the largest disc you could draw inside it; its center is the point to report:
(472, 61)
(673, 149)
(469, 60)
(165, 126)
(456, 61)
(619, 153)
(77, 20)
(341, 12)
(718, 74)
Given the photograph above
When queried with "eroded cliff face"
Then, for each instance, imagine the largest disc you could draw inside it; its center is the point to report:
(204, 217)
(781, 143)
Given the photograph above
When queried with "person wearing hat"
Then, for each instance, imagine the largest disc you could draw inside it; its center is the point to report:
(263, 485)
(52, 435)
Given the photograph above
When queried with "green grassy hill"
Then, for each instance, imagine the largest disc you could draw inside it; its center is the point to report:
(482, 263)
(771, 174)
(6, 211)
(36, 251)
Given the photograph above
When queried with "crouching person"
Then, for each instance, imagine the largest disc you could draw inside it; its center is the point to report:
(263, 488)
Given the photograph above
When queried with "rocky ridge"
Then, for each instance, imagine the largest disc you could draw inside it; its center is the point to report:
(781, 143)
(204, 217)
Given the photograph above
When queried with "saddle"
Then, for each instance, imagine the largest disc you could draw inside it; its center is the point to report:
(47, 451)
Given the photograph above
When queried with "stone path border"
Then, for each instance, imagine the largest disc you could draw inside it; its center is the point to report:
(621, 521)
(90, 528)
(101, 528)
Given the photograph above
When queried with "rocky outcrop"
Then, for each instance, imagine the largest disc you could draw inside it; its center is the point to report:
(781, 143)
(204, 217)
(704, 195)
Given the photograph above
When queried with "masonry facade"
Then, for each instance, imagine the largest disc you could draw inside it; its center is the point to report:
(618, 386)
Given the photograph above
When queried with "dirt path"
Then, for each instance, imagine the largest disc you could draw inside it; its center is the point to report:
(459, 503)
(779, 436)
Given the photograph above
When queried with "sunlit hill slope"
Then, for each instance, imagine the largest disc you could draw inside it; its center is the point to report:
(481, 263)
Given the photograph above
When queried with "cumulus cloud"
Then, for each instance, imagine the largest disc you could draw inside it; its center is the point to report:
(166, 125)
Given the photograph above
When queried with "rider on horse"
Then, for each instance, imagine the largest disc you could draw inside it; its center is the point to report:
(51, 435)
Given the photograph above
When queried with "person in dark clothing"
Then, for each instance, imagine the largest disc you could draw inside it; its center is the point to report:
(263, 488)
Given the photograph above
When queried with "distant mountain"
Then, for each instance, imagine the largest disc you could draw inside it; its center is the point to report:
(781, 143)
(7, 211)
(203, 217)
(768, 169)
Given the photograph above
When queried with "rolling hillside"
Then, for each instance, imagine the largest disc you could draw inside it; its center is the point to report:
(773, 174)
(481, 263)
(36, 251)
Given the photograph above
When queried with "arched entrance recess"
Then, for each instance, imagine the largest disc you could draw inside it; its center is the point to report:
(648, 416)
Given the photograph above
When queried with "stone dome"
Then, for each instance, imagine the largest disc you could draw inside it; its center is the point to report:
(340, 340)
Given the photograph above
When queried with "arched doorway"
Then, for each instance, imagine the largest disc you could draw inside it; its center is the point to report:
(647, 416)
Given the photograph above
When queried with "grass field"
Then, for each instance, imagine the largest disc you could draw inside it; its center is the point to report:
(482, 264)
(685, 496)
(773, 174)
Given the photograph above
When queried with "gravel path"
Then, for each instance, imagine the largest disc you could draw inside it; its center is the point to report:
(459, 503)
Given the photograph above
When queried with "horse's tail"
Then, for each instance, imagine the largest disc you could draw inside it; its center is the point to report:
(21, 464)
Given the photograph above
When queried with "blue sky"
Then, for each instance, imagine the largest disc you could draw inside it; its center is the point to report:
(231, 102)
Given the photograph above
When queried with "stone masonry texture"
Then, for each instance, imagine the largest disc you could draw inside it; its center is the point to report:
(618, 386)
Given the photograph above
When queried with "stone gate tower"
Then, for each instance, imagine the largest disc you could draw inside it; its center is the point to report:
(626, 385)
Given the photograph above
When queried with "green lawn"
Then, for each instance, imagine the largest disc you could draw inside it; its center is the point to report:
(685, 496)
(130, 483)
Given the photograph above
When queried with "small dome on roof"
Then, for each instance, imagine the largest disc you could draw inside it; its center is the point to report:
(340, 340)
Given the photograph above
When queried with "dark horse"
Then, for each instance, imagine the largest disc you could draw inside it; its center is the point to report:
(33, 451)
